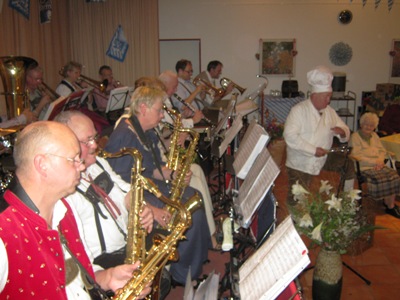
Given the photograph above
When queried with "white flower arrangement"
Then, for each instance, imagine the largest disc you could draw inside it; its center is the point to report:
(329, 220)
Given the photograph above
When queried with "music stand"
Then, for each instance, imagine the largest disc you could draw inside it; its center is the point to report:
(71, 102)
(274, 265)
(254, 140)
(258, 181)
(119, 98)
(226, 114)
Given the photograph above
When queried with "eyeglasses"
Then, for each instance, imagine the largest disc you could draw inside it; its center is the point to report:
(90, 141)
(188, 71)
(158, 111)
(76, 161)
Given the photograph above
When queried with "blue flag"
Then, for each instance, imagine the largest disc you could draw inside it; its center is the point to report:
(118, 45)
(21, 6)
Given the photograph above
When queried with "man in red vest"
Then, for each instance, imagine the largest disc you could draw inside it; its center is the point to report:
(41, 253)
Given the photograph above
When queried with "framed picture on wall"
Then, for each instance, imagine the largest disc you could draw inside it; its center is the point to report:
(277, 56)
(395, 54)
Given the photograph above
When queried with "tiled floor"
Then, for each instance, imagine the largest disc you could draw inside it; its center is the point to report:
(380, 264)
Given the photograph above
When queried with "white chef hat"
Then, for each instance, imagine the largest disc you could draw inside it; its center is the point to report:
(320, 79)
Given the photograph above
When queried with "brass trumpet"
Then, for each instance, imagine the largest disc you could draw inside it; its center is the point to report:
(226, 81)
(211, 90)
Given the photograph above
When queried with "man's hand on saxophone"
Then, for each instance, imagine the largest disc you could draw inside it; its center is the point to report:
(117, 277)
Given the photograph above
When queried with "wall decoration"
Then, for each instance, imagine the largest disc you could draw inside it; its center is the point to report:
(340, 54)
(395, 54)
(118, 46)
(21, 6)
(277, 56)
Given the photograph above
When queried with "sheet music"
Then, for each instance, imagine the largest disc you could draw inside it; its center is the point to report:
(274, 265)
(231, 133)
(188, 294)
(119, 98)
(225, 114)
(246, 107)
(207, 290)
(254, 140)
(256, 185)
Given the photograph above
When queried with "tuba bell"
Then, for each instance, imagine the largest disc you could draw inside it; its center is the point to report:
(12, 72)
(226, 81)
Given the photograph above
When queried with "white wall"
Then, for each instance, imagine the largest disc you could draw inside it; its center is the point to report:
(230, 31)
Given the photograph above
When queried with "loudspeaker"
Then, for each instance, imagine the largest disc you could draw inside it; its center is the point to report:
(290, 89)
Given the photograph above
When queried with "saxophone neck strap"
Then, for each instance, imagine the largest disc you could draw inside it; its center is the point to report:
(142, 136)
(93, 288)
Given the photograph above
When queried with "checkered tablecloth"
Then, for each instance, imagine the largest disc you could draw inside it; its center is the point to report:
(278, 107)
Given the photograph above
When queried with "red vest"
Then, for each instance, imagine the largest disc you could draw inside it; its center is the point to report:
(35, 255)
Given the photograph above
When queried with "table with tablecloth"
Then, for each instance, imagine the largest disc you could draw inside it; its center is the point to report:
(392, 144)
(275, 107)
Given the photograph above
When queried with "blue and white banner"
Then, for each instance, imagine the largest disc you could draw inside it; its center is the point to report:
(21, 6)
(45, 10)
(118, 45)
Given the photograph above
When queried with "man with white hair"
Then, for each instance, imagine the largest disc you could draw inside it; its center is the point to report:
(309, 131)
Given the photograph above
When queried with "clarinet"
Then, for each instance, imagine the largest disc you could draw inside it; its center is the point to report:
(191, 108)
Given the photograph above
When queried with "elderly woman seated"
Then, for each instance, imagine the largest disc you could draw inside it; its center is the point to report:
(382, 181)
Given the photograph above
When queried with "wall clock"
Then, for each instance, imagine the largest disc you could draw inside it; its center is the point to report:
(345, 17)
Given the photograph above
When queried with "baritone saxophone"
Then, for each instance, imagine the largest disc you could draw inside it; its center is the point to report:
(180, 159)
(156, 258)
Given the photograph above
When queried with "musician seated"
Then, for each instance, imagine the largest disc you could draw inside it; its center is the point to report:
(103, 208)
(39, 95)
(170, 80)
(212, 76)
(106, 77)
(198, 179)
(136, 130)
(73, 82)
(186, 91)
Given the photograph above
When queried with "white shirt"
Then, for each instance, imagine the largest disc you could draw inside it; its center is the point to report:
(187, 123)
(305, 130)
(84, 211)
(21, 119)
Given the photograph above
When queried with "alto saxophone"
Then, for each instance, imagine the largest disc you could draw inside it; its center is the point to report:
(155, 259)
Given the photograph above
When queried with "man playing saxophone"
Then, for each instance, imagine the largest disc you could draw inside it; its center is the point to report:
(101, 202)
(135, 130)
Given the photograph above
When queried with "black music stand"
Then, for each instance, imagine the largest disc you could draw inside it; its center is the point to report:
(246, 200)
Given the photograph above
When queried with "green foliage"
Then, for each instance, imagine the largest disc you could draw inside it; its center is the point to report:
(329, 221)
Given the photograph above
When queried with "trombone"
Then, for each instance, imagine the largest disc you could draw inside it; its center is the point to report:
(100, 85)
(45, 89)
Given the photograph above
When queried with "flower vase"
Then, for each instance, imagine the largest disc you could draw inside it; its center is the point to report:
(277, 149)
(327, 278)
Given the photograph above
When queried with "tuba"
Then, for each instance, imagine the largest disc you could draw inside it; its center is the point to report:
(12, 71)
(161, 252)
(226, 81)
